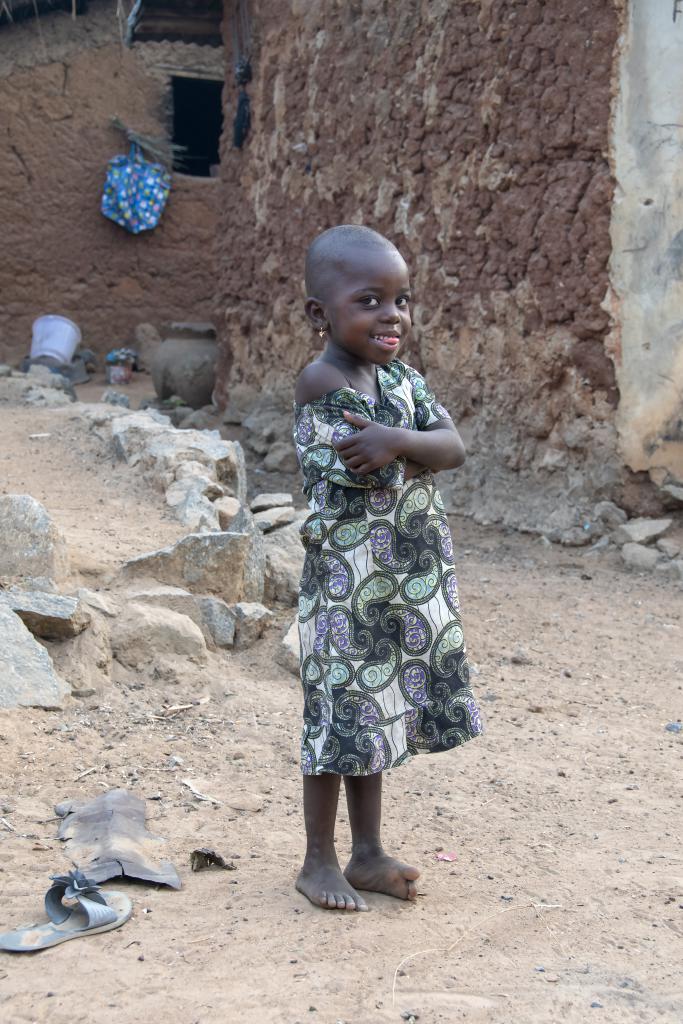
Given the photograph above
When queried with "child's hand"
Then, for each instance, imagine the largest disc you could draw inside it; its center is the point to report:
(373, 446)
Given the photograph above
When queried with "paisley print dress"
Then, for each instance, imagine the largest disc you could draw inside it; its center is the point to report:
(383, 663)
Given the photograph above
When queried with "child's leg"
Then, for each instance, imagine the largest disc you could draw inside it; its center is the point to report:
(370, 868)
(321, 878)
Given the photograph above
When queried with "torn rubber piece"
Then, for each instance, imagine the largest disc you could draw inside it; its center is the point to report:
(106, 837)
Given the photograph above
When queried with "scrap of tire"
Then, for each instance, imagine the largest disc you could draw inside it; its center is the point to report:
(106, 838)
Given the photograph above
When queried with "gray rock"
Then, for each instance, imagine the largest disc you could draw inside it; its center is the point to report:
(255, 564)
(284, 562)
(639, 557)
(677, 565)
(641, 531)
(131, 434)
(674, 490)
(281, 458)
(44, 376)
(265, 427)
(609, 515)
(520, 656)
(575, 537)
(144, 632)
(160, 450)
(669, 547)
(241, 402)
(50, 616)
(27, 675)
(265, 501)
(227, 510)
(32, 549)
(94, 599)
(177, 413)
(600, 545)
(160, 595)
(5, 370)
(196, 470)
(251, 618)
(271, 518)
(85, 661)
(208, 563)
(288, 652)
(211, 614)
(190, 498)
(46, 397)
(113, 397)
(218, 619)
(200, 419)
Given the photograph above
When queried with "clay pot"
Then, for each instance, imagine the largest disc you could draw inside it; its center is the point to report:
(184, 364)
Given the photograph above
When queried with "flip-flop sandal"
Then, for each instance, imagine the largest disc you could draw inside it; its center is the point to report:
(93, 911)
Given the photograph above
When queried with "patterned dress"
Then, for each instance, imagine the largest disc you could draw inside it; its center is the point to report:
(383, 663)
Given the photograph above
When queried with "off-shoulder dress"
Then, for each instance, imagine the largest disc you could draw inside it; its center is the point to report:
(383, 662)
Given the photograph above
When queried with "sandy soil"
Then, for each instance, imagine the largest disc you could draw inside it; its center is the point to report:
(565, 897)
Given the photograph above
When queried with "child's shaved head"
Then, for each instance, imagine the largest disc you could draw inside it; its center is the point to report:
(332, 250)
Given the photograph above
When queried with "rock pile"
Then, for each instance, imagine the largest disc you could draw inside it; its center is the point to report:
(645, 548)
(170, 611)
(38, 387)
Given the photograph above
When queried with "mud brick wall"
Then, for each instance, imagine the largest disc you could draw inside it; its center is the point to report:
(474, 135)
(60, 82)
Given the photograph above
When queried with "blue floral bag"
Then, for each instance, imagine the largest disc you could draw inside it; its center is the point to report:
(135, 192)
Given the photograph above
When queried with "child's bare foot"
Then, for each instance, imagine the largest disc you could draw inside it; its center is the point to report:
(378, 872)
(325, 886)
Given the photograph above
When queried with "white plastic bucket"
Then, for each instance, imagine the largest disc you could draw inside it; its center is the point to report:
(55, 336)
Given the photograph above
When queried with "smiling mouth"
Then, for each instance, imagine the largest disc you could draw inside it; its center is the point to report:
(389, 341)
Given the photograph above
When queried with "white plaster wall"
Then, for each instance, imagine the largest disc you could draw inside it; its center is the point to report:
(647, 241)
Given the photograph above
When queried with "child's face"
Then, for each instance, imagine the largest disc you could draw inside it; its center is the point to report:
(367, 305)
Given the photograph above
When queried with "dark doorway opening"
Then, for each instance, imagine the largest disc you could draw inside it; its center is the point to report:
(197, 124)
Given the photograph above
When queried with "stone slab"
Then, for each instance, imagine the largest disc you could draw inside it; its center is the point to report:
(251, 618)
(211, 563)
(287, 654)
(640, 557)
(641, 531)
(50, 616)
(31, 545)
(264, 501)
(272, 518)
(27, 675)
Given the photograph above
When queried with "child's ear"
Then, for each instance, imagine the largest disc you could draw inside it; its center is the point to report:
(315, 314)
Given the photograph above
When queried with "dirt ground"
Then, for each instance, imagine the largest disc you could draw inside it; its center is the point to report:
(564, 900)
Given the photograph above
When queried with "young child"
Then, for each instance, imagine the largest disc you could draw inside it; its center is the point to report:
(383, 662)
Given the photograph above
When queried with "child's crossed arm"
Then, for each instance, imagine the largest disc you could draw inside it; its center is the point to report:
(439, 446)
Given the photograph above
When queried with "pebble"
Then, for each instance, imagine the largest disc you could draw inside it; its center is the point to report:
(595, 1005)
(674, 727)
(520, 657)
(112, 397)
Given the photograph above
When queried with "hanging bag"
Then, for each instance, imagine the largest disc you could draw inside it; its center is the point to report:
(135, 191)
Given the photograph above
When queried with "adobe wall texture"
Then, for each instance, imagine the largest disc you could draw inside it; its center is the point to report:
(647, 244)
(474, 135)
(58, 90)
